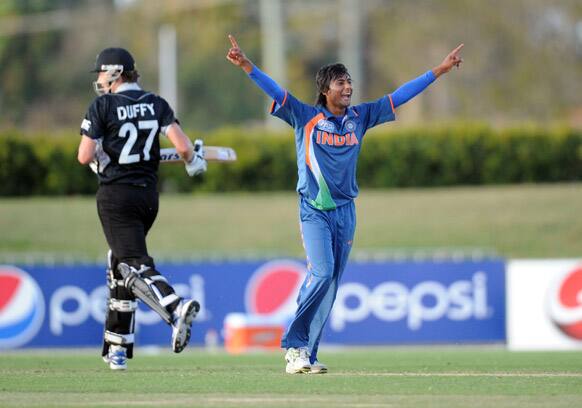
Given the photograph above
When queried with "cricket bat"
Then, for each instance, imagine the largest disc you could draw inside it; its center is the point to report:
(211, 153)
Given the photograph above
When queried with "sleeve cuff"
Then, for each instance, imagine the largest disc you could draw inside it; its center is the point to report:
(430, 75)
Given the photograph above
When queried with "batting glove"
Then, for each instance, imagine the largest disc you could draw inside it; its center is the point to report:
(197, 165)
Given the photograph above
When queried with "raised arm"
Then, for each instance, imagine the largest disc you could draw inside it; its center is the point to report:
(237, 57)
(410, 89)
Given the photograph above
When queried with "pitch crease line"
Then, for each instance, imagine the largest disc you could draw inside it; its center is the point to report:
(540, 375)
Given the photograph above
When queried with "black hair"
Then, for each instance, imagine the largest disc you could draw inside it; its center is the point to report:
(323, 78)
(130, 76)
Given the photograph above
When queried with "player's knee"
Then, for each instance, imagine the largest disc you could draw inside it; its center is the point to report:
(139, 263)
(323, 270)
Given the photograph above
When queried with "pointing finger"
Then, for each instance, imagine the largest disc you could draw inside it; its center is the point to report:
(458, 49)
(233, 41)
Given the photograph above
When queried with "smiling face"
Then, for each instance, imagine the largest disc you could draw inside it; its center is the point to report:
(339, 94)
(334, 86)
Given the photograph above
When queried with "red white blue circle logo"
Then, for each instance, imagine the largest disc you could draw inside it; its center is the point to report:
(565, 303)
(273, 289)
(21, 307)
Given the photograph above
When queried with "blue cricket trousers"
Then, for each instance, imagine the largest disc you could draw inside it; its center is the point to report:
(327, 239)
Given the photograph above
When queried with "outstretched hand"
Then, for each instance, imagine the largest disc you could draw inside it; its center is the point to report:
(450, 61)
(236, 56)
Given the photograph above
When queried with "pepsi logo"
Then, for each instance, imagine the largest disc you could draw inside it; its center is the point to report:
(565, 303)
(273, 289)
(21, 307)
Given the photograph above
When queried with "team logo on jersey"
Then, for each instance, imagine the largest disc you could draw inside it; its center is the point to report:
(272, 290)
(565, 303)
(86, 125)
(326, 125)
(350, 126)
(21, 307)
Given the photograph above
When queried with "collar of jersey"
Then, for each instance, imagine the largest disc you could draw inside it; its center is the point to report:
(350, 112)
(128, 86)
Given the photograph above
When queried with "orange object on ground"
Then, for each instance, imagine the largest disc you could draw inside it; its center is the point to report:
(244, 333)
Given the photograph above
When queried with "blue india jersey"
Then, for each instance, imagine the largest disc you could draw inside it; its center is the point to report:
(328, 146)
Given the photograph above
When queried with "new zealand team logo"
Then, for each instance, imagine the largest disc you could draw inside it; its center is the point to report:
(21, 307)
(565, 303)
(272, 290)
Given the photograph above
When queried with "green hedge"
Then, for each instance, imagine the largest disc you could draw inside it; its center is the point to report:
(437, 156)
(470, 155)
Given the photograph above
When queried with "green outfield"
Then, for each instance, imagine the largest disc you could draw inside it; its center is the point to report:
(513, 221)
(388, 377)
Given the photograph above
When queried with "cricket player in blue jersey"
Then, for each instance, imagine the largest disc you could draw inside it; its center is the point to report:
(328, 139)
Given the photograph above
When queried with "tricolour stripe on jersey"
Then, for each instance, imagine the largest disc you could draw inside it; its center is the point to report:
(323, 201)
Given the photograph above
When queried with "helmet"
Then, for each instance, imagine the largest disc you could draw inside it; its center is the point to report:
(114, 56)
(113, 61)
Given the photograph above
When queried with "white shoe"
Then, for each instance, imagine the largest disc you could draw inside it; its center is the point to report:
(181, 329)
(116, 357)
(297, 360)
(318, 368)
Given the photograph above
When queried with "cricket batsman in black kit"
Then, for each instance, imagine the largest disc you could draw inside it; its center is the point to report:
(120, 140)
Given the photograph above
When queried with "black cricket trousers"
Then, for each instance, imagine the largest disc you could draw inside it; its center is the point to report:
(127, 212)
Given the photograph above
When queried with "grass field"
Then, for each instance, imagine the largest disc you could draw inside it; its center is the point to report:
(513, 221)
(388, 377)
